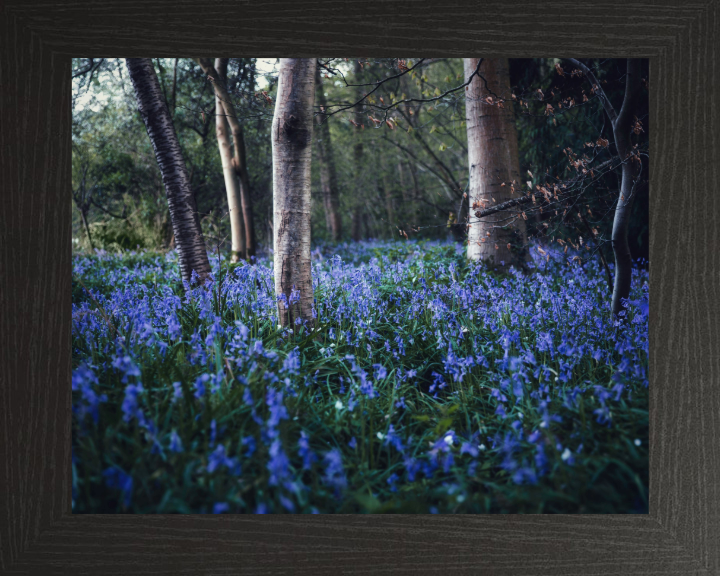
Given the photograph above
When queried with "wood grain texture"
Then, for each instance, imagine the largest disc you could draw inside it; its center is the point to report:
(38, 535)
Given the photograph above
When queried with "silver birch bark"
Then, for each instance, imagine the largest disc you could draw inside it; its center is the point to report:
(239, 162)
(292, 130)
(492, 160)
(237, 228)
(622, 126)
(628, 188)
(189, 239)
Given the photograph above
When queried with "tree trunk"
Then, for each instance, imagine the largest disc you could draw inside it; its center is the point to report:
(358, 155)
(239, 160)
(237, 228)
(628, 189)
(183, 211)
(328, 175)
(389, 208)
(493, 160)
(292, 130)
(240, 163)
(83, 215)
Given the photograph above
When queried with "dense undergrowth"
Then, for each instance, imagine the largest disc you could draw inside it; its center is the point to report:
(429, 386)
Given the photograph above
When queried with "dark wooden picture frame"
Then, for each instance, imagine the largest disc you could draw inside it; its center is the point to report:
(38, 533)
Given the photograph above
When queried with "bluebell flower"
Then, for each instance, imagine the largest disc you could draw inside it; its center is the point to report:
(177, 391)
(175, 442)
(307, 455)
(334, 475)
(117, 478)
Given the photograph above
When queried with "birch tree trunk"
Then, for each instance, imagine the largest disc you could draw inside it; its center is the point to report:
(181, 202)
(631, 168)
(237, 228)
(622, 124)
(292, 130)
(239, 160)
(493, 160)
(328, 174)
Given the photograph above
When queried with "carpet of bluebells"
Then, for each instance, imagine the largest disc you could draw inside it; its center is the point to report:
(430, 386)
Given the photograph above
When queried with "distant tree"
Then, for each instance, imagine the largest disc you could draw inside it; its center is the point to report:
(232, 189)
(82, 196)
(189, 239)
(328, 173)
(493, 163)
(239, 161)
(292, 130)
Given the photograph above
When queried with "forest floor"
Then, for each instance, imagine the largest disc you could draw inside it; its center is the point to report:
(429, 386)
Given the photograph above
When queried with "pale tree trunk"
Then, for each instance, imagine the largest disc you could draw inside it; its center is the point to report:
(622, 124)
(328, 175)
(239, 161)
(628, 189)
(493, 160)
(237, 228)
(189, 239)
(292, 130)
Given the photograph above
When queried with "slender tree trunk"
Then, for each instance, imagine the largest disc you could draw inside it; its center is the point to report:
(183, 211)
(328, 175)
(358, 154)
(240, 163)
(237, 228)
(239, 159)
(493, 160)
(174, 86)
(292, 130)
(631, 168)
(83, 215)
(388, 194)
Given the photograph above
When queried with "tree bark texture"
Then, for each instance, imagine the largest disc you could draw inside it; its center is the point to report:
(493, 159)
(232, 189)
(328, 174)
(622, 127)
(181, 202)
(239, 160)
(292, 130)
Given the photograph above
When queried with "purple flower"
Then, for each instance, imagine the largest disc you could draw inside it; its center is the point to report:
(220, 507)
(175, 442)
(307, 455)
(177, 391)
(116, 478)
(334, 474)
(279, 465)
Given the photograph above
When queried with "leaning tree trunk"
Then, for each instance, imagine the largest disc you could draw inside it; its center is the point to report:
(239, 161)
(83, 215)
(328, 175)
(493, 161)
(237, 228)
(622, 124)
(181, 202)
(292, 130)
(631, 167)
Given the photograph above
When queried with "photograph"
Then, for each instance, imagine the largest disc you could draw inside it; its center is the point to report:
(360, 285)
